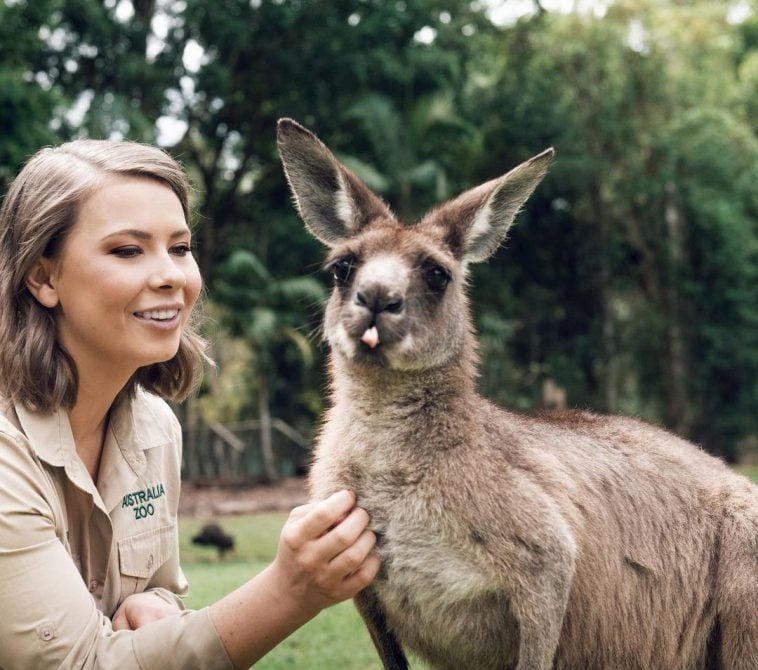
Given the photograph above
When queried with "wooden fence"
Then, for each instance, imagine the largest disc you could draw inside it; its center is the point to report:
(233, 451)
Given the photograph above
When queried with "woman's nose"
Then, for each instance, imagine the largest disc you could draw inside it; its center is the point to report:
(167, 274)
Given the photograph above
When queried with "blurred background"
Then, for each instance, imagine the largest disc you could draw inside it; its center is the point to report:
(630, 282)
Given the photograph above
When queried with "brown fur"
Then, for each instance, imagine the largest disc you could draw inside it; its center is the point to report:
(565, 540)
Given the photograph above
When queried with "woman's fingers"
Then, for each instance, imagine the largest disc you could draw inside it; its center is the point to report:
(139, 609)
(354, 554)
(325, 551)
(343, 534)
(119, 621)
(350, 536)
(362, 577)
(310, 522)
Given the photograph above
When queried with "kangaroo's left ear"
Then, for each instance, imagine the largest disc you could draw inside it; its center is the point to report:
(331, 200)
(476, 222)
(41, 284)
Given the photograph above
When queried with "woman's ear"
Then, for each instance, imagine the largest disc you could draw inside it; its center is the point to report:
(40, 283)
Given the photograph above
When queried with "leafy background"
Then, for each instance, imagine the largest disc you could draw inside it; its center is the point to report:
(631, 279)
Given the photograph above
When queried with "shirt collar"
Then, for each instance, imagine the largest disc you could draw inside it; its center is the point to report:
(133, 428)
(51, 438)
(135, 422)
(49, 434)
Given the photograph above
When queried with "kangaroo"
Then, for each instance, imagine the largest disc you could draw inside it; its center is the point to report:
(563, 540)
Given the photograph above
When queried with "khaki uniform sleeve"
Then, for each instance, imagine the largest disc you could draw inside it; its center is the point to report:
(49, 619)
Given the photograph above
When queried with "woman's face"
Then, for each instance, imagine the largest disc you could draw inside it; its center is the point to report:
(125, 281)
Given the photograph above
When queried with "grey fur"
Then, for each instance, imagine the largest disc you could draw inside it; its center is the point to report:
(566, 540)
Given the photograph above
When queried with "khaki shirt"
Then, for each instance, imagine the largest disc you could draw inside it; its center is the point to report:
(70, 552)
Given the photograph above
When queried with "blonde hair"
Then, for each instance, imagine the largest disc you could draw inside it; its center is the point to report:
(37, 214)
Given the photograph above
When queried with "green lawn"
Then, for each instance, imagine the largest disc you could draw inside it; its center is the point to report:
(750, 471)
(335, 640)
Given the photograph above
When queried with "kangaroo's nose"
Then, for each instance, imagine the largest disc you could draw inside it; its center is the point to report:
(377, 300)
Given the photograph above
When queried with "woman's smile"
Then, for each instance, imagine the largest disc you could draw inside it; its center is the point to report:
(161, 317)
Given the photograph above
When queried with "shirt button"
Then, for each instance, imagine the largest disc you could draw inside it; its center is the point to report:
(46, 632)
(93, 586)
(150, 562)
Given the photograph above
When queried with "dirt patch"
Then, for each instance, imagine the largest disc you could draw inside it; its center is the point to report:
(215, 498)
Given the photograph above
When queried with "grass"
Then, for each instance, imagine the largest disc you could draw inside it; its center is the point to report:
(336, 639)
(750, 471)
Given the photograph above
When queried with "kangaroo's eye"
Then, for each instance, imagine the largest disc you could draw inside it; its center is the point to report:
(342, 269)
(437, 278)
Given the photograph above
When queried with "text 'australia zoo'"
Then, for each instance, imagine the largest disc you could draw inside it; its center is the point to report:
(140, 501)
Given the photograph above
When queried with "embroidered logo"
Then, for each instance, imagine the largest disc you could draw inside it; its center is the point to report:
(140, 501)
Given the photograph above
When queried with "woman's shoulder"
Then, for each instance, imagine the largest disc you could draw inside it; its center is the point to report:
(26, 486)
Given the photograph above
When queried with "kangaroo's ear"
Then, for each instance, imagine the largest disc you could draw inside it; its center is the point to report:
(476, 222)
(332, 201)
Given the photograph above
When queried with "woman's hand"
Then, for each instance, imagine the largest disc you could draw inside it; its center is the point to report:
(139, 609)
(324, 553)
(324, 556)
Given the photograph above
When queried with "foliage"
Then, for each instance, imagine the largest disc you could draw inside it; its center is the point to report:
(605, 294)
(27, 105)
(265, 311)
(630, 279)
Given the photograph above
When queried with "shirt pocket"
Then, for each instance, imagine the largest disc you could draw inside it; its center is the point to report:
(141, 555)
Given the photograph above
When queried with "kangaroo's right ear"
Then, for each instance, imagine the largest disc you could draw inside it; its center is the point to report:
(332, 201)
(477, 221)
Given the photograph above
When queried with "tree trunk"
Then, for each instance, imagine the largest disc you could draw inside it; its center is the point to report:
(264, 415)
(609, 374)
(676, 405)
(189, 419)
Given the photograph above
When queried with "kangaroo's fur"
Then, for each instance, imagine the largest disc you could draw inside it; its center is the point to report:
(566, 540)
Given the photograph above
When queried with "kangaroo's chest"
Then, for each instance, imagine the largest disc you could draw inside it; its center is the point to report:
(437, 592)
(436, 589)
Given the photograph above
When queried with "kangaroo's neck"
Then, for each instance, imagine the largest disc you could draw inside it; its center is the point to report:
(377, 391)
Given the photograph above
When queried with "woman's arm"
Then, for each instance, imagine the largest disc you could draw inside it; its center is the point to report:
(143, 608)
(50, 619)
(324, 557)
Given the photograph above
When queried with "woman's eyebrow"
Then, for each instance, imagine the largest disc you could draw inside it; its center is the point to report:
(144, 234)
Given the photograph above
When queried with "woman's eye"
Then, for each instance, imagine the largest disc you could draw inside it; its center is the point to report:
(342, 269)
(181, 249)
(437, 277)
(126, 252)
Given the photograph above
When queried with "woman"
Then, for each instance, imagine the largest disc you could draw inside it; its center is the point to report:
(97, 288)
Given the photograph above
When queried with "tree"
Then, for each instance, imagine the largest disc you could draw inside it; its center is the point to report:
(627, 280)
(407, 165)
(265, 311)
(29, 102)
(625, 217)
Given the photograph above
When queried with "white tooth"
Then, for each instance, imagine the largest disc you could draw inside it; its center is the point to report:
(159, 314)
